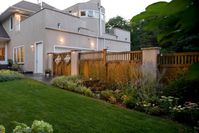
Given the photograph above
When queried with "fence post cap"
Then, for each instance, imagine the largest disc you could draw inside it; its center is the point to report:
(151, 48)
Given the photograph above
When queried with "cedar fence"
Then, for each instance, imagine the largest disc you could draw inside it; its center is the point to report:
(112, 67)
(176, 63)
(122, 66)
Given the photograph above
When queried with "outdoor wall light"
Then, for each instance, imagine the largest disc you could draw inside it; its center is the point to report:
(92, 45)
(32, 46)
(61, 40)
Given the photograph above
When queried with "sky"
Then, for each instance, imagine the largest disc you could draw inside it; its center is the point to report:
(125, 8)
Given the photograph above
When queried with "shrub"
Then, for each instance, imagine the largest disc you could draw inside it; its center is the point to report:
(112, 99)
(155, 111)
(70, 85)
(106, 94)
(128, 101)
(66, 82)
(37, 127)
(189, 113)
(167, 103)
(86, 91)
(7, 75)
(21, 128)
(2, 129)
(59, 81)
(41, 127)
(185, 86)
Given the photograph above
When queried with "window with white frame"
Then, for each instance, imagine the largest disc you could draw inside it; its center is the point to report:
(11, 23)
(18, 21)
(18, 54)
(90, 13)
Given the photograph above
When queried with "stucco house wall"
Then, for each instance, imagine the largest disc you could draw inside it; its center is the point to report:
(31, 31)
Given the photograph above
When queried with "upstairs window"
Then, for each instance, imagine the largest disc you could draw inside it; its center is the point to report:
(83, 13)
(18, 21)
(90, 13)
(11, 23)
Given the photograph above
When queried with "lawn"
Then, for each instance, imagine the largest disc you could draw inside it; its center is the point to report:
(27, 100)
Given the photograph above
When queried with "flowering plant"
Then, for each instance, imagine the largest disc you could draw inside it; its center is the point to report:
(41, 127)
(2, 129)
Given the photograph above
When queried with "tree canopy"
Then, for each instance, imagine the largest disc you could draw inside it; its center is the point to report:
(118, 22)
(174, 25)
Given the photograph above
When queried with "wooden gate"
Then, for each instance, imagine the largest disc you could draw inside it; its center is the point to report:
(62, 64)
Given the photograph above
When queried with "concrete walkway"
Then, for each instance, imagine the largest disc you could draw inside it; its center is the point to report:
(39, 77)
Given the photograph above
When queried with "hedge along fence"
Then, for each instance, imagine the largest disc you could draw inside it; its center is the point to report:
(176, 63)
(112, 67)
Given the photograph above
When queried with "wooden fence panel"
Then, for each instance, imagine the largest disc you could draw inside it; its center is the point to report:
(112, 67)
(170, 65)
(122, 71)
(61, 64)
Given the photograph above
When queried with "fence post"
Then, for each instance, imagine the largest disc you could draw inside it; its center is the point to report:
(105, 63)
(50, 63)
(150, 61)
(104, 55)
(75, 63)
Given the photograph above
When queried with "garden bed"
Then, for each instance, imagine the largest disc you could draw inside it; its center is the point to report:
(28, 100)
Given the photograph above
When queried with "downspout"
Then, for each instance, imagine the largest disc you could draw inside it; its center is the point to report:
(100, 30)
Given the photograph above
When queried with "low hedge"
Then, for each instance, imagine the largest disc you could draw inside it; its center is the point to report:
(7, 75)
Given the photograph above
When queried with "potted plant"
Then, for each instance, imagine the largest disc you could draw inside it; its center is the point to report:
(48, 72)
(10, 63)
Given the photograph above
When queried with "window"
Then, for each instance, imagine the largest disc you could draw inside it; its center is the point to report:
(18, 20)
(90, 13)
(19, 54)
(11, 23)
(83, 13)
(2, 54)
(96, 14)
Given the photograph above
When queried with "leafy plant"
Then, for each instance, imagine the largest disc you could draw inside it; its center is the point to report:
(185, 86)
(2, 129)
(37, 127)
(189, 113)
(86, 91)
(167, 103)
(106, 94)
(21, 128)
(41, 127)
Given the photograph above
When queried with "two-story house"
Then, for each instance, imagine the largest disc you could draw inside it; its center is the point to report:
(29, 31)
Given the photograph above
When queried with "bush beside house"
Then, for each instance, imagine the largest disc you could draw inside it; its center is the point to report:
(7, 75)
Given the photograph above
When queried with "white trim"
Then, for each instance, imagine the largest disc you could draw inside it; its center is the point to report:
(16, 56)
(73, 48)
(35, 57)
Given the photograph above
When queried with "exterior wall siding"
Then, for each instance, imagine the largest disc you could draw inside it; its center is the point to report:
(43, 26)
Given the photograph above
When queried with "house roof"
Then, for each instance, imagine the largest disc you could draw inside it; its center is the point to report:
(3, 33)
(24, 7)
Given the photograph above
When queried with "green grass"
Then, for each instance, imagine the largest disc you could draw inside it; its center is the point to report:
(28, 100)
